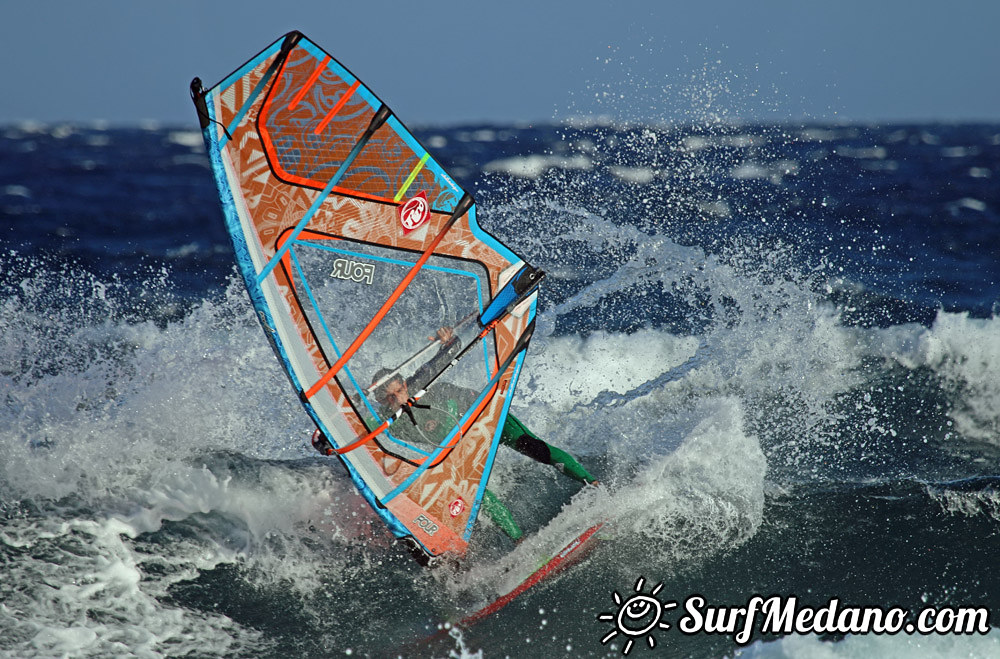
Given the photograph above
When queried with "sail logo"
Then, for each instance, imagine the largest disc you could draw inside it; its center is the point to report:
(429, 527)
(414, 213)
(354, 271)
(263, 321)
(456, 507)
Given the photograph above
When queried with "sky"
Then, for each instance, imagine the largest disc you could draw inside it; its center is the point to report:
(518, 61)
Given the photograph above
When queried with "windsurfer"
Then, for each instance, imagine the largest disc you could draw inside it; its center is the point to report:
(438, 411)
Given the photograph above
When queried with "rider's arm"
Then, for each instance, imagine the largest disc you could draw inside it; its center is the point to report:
(448, 350)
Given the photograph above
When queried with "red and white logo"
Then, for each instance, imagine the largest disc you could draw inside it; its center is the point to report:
(414, 213)
(456, 507)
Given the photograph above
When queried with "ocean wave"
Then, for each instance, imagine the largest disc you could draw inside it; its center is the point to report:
(965, 353)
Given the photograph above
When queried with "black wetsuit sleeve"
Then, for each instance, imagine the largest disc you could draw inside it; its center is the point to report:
(433, 366)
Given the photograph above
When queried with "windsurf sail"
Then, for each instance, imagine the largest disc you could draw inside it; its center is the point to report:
(356, 246)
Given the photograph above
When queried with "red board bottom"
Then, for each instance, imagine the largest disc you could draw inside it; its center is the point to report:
(574, 551)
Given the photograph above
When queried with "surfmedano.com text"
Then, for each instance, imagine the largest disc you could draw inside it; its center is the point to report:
(781, 615)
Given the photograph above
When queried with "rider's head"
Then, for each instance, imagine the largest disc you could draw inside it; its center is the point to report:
(393, 392)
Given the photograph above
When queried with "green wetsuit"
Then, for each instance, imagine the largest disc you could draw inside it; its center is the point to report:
(517, 436)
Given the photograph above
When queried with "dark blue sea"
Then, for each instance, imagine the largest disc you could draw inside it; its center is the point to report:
(778, 347)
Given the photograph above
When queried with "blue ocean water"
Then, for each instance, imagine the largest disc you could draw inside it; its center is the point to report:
(776, 345)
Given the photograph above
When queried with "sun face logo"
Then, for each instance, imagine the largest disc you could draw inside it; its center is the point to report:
(637, 616)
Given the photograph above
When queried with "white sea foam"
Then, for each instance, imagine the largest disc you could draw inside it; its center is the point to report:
(62, 131)
(699, 142)
(967, 504)
(82, 592)
(16, 191)
(818, 135)
(959, 151)
(189, 138)
(100, 140)
(774, 343)
(706, 495)
(482, 135)
(534, 166)
(674, 416)
(31, 126)
(965, 352)
(970, 204)
(694, 143)
(94, 585)
(575, 370)
(717, 209)
(437, 141)
(639, 175)
(101, 397)
(862, 153)
(773, 171)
